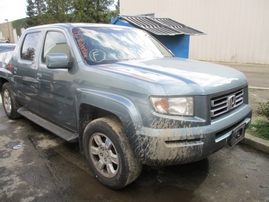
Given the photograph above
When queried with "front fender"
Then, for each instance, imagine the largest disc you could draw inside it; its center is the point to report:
(121, 106)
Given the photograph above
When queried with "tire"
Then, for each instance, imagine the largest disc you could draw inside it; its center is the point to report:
(109, 154)
(10, 105)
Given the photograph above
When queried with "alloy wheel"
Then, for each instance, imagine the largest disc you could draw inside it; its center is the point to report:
(7, 101)
(104, 155)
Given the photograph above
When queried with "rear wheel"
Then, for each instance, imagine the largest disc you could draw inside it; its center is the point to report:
(9, 103)
(109, 153)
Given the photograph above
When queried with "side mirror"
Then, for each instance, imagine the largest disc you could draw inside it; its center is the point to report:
(58, 61)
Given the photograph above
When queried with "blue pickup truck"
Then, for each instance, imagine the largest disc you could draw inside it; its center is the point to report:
(123, 97)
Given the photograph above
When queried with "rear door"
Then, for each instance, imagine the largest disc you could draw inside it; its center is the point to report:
(25, 70)
(57, 91)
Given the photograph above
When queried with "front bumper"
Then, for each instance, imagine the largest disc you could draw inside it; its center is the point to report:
(161, 147)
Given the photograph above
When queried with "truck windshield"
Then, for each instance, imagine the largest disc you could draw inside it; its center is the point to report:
(103, 45)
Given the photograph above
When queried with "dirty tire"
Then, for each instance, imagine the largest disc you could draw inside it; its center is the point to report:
(109, 154)
(10, 105)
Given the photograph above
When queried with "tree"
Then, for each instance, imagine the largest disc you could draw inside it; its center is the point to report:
(117, 6)
(36, 10)
(92, 11)
(53, 11)
(115, 12)
(59, 10)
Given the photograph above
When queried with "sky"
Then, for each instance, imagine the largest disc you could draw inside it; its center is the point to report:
(12, 10)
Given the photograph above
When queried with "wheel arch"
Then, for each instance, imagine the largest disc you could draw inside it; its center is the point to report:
(2, 81)
(95, 104)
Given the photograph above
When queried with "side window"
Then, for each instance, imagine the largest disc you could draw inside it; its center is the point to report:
(55, 42)
(29, 46)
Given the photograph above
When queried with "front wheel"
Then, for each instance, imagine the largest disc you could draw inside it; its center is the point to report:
(9, 103)
(109, 153)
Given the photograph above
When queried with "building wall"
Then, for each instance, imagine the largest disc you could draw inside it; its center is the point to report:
(6, 31)
(236, 30)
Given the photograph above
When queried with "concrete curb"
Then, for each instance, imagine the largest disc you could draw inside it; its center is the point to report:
(257, 143)
(258, 88)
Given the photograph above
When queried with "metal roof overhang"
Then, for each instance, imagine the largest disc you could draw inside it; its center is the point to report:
(160, 26)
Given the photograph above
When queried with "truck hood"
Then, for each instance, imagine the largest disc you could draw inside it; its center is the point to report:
(181, 76)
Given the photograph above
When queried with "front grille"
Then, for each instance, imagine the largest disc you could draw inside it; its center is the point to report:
(226, 103)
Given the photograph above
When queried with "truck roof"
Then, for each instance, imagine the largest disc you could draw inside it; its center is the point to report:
(73, 25)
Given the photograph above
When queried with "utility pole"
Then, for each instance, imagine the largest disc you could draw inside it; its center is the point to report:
(9, 36)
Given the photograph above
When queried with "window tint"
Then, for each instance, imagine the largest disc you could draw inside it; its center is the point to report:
(29, 46)
(55, 43)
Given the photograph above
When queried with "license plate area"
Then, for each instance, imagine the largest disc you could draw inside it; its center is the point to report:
(238, 134)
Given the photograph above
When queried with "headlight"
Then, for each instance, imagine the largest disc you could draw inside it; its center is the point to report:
(173, 105)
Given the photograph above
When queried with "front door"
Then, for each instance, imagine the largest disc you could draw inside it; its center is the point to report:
(57, 90)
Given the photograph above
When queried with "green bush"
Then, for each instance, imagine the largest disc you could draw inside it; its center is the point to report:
(18, 24)
(263, 109)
